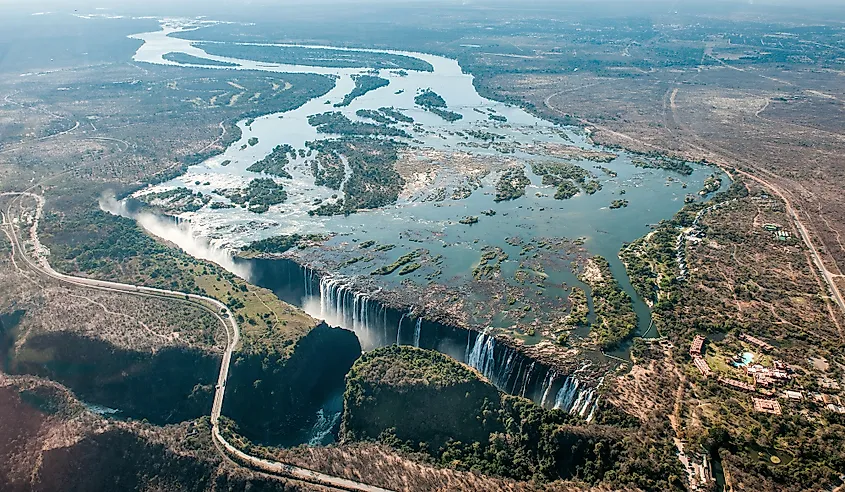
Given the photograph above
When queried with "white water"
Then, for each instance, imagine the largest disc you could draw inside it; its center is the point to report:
(182, 235)
(447, 79)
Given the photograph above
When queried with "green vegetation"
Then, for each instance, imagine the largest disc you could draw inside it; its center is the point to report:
(711, 185)
(562, 175)
(490, 263)
(511, 184)
(409, 268)
(397, 115)
(484, 135)
(363, 85)
(615, 316)
(469, 220)
(618, 204)
(447, 115)
(280, 244)
(429, 99)
(274, 164)
(220, 205)
(428, 405)
(373, 182)
(418, 395)
(610, 172)
(336, 123)
(108, 247)
(185, 58)
(434, 103)
(658, 161)
(328, 169)
(591, 187)
(566, 189)
(177, 200)
(259, 195)
(253, 141)
(401, 261)
(579, 309)
(318, 57)
(374, 115)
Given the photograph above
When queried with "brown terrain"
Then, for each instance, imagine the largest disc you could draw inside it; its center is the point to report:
(786, 128)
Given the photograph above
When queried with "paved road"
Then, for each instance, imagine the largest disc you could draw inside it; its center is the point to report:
(802, 229)
(805, 236)
(233, 333)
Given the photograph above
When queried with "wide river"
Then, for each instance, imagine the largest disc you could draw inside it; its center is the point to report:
(653, 194)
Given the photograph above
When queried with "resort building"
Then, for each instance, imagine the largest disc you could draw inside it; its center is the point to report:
(766, 406)
(702, 366)
(697, 346)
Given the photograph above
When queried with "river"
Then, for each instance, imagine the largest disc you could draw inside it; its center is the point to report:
(415, 222)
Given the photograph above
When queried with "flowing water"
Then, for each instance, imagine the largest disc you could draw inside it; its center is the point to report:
(653, 195)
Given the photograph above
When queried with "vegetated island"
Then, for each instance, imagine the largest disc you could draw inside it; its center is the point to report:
(658, 161)
(565, 175)
(279, 244)
(258, 196)
(274, 164)
(195, 60)
(337, 123)
(511, 184)
(363, 85)
(615, 316)
(434, 103)
(373, 181)
(316, 57)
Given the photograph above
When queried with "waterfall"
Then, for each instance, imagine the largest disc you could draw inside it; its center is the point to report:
(326, 422)
(399, 330)
(548, 382)
(526, 378)
(593, 410)
(504, 366)
(481, 355)
(384, 320)
(417, 331)
(341, 306)
(567, 394)
(504, 374)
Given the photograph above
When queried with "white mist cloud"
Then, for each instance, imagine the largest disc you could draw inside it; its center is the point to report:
(178, 234)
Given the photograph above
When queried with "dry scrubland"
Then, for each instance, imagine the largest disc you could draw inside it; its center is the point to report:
(786, 127)
(49, 441)
(643, 85)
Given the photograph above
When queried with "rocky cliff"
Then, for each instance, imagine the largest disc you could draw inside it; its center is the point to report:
(420, 395)
(163, 386)
(272, 397)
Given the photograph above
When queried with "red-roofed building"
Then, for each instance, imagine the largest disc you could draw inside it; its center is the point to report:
(697, 346)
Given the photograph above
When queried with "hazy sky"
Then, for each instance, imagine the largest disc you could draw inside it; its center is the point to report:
(195, 7)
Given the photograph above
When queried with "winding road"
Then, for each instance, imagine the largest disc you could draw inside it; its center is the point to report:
(41, 266)
(814, 253)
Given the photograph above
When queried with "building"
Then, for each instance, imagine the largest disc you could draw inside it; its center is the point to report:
(763, 380)
(736, 384)
(697, 346)
(702, 366)
(793, 395)
(756, 341)
(766, 406)
(765, 371)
